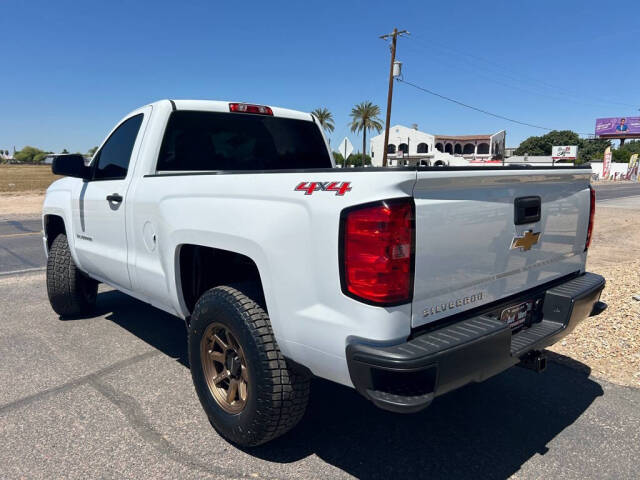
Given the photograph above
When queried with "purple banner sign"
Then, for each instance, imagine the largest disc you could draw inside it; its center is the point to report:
(618, 126)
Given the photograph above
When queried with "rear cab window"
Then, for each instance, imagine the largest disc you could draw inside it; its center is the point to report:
(220, 141)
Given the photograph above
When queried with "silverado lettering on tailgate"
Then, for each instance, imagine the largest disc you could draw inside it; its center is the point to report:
(458, 302)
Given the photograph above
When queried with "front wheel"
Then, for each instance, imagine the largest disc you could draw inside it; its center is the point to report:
(250, 393)
(71, 292)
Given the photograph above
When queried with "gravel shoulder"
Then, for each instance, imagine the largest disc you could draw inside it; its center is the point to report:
(609, 344)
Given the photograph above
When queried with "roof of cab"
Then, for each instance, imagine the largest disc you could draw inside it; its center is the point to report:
(223, 106)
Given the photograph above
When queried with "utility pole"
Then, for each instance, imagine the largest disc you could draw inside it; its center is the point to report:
(394, 38)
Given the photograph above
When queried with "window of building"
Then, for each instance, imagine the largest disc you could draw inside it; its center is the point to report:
(423, 148)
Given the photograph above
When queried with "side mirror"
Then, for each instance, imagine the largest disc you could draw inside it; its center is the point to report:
(71, 166)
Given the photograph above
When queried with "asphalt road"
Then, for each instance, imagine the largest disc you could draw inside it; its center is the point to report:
(110, 396)
(21, 244)
(606, 191)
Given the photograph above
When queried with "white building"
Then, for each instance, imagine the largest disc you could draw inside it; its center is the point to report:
(407, 146)
(410, 146)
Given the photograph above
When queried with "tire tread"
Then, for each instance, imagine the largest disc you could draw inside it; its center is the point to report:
(284, 404)
(64, 281)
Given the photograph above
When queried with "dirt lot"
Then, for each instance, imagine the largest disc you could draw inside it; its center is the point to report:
(608, 344)
(25, 178)
(25, 204)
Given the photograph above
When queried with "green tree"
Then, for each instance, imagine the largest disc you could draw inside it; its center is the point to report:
(364, 118)
(589, 149)
(592, 149)
(39, 157)
(619, 155)
(28, 154)
(356, 160)
(91, 151)
(623, 153)
(632, 146)
(325, 118)
(531, 146)
(542, 145)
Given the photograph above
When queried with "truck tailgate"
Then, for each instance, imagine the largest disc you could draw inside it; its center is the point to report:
(467, 248)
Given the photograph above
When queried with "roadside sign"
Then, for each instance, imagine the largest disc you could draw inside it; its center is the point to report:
(618, 127)
(345, 149)
(565, 152)
(606, 163)
(632, 173)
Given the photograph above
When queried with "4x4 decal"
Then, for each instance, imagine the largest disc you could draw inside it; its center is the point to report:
(309, 187)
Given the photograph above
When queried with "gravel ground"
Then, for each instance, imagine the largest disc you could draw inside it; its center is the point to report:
(609, 344)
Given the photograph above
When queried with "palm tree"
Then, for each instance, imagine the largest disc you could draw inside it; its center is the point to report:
(364, 118)
(325, 118)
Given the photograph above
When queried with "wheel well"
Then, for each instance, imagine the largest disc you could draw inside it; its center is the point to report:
(53, 226)
(202, 268)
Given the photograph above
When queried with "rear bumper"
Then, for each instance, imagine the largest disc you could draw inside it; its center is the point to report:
(406, 377)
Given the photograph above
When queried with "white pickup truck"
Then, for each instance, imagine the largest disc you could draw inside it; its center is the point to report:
(404, 283)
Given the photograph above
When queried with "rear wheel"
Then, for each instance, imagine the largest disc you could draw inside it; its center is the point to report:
(250, 393)
(71, 292)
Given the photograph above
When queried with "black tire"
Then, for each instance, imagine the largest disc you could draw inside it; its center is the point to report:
(71, 292)
(278, 391)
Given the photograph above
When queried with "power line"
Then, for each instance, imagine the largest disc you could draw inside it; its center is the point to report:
(517, 76)
(502, 117)
(486, 75)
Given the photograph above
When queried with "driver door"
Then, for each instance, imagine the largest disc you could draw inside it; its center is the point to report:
(100, 222)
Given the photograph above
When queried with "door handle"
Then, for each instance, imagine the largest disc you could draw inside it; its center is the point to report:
(527, 210)
(114, 198)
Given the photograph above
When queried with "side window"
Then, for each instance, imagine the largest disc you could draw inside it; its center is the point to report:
(112, 161)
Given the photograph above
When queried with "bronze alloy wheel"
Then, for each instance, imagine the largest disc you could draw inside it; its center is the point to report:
(225, 368)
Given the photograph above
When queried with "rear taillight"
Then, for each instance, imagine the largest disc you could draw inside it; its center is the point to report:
(377, 252)
(592, 212)
(248, 108)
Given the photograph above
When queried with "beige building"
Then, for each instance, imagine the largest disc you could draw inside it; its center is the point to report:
(473, 147)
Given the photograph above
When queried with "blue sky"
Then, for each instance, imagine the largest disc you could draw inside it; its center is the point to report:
(70, 70)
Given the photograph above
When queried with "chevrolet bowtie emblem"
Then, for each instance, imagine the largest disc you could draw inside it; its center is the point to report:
(526, 241)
